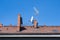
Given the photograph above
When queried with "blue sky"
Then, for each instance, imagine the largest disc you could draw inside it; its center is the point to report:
(49, 11)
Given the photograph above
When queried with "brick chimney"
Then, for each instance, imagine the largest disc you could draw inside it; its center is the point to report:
(1, 25)
(19, 24)
(35, 24)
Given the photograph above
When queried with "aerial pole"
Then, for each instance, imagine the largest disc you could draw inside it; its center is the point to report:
(36, 14)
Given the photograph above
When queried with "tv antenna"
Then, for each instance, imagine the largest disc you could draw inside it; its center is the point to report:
(36, 10)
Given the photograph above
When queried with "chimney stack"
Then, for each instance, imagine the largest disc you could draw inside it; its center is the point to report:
(1, 25)
(35, 24)
(19, 24)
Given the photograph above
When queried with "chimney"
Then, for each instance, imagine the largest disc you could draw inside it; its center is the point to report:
(19, 24)
(35, 24)
(1, 25)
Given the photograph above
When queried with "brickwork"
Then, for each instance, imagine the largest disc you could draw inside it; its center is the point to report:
(1, 25)
(19, 23)
(35, 24)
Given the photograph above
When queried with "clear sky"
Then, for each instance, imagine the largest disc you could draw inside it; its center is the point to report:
(49, 11)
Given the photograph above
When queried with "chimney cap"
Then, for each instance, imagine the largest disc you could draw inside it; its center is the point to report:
(19, 14)
(35, 20)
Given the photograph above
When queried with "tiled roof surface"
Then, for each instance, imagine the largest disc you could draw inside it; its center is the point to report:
(30, 29)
